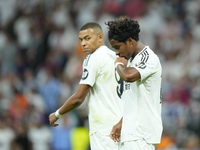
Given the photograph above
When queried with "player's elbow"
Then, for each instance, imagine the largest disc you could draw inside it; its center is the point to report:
(128, 79)
(80, 94)
(131, 76)
(78, 100)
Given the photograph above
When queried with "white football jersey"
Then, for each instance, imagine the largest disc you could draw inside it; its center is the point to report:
(104, 102)
(142, 101)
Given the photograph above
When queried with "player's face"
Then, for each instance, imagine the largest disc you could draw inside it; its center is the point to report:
(122, 49)
(90, 40)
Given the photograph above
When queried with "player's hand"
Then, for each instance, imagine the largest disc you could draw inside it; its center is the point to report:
(115, 133)
(53, 119)
(121, 59)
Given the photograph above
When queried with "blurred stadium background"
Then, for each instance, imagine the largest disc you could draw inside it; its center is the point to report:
(41, 64)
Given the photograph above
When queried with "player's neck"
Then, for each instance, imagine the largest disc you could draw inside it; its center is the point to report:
(139, 48)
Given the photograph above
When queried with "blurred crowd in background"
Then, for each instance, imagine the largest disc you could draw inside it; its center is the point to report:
(41, 65)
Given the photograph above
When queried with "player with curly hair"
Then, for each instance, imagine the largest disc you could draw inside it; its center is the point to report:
(140, 69)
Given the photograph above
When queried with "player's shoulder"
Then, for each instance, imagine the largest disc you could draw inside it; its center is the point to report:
(104, 52)
(97, 56)
(148, 54)
(86, 60)
(153, 58)
(146, 57)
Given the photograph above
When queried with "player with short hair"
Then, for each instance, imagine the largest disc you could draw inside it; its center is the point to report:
(99, 83)
(140, 68)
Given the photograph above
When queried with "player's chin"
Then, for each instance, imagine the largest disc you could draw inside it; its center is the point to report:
(86, 53)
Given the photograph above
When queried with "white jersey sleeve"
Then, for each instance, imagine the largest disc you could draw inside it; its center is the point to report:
(90, 70)
(145, 64)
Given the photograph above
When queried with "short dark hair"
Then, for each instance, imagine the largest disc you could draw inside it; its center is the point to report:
(122, 28)
(90, 25)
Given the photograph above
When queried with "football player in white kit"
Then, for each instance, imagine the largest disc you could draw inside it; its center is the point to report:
(140, 68)
(100, 85)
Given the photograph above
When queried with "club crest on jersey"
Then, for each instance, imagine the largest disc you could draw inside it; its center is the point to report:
(85, 74)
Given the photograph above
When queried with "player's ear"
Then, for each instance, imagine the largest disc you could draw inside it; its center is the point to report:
(100, 38)
(131, 41)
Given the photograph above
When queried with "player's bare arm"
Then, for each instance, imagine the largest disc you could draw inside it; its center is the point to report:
(73, 102)
(129, 74)
(115, 133)
(121, 60)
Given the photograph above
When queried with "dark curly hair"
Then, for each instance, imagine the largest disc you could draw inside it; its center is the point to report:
(123, 28)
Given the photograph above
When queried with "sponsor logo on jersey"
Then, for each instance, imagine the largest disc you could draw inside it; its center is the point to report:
(127, 86)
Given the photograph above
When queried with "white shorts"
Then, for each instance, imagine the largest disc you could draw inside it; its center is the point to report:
(102, 142)
(137, 145)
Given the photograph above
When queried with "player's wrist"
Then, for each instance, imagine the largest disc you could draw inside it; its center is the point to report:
(118, 63)
(57, 114)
